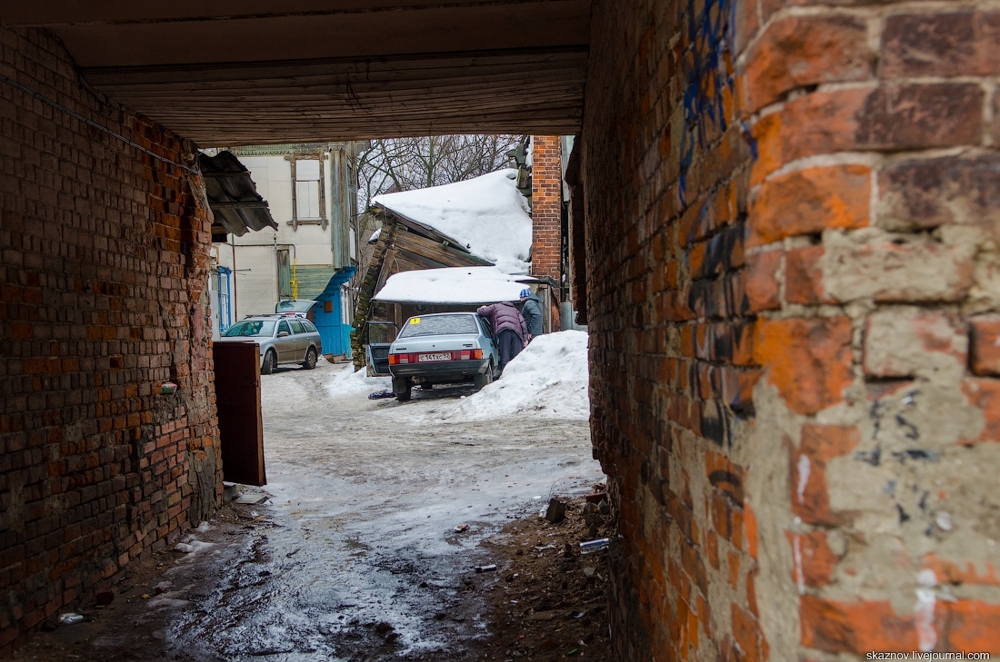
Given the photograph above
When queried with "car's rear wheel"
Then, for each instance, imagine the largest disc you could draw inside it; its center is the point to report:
(402, 388)
(270, 362)
(484, 378)
(310, 361)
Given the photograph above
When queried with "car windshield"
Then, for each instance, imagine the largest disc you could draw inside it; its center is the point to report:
(252, 328)
(438, 325)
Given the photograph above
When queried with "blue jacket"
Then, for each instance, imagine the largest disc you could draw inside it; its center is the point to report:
(533, 315)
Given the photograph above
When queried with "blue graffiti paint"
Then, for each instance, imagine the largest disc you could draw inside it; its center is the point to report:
(708, 77)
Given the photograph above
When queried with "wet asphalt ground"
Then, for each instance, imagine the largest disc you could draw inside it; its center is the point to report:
(354, 556)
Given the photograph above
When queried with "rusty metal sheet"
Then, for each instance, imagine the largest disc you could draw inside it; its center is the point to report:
(237, 398)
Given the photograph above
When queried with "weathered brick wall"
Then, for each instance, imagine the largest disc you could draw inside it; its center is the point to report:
(546, 207)
(792, 214)
(105, 263)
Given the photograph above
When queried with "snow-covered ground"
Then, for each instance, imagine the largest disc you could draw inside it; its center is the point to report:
(548, 379)
(350, 382)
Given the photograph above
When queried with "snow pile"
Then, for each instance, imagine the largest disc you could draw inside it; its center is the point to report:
(349, 382)
(548, 379)
(487, 214)
(455, 285)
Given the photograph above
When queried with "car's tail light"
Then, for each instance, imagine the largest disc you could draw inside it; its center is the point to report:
(467, 354)
(396, 359)
(477, 354)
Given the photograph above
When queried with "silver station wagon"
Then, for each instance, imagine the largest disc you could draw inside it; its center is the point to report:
(283, 338)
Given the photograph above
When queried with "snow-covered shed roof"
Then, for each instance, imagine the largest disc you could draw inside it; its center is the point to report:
(453, 285)
(487, 215)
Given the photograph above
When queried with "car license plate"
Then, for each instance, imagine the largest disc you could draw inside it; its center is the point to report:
(435, 357)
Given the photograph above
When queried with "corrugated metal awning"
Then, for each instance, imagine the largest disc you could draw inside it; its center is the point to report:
(233, 196)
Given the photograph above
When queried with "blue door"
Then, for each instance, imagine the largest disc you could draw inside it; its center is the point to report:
(332, 316)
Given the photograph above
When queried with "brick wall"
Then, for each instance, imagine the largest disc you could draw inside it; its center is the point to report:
(546, 207)
(105, 263)
(792, 215)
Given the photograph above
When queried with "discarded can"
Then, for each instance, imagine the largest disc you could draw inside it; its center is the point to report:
(70, 619)
(486, 568)
(592, 546)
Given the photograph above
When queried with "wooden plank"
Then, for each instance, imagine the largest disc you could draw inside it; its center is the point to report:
(423, 65)
(324, 87)
(413, 262)
(47, 12)
(411, 243)
(465, 27)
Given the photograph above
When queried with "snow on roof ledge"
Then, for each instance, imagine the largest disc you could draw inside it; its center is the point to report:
(488, 214)
(453, 285)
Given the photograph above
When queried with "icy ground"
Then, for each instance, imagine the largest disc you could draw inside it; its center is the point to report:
(356, 557)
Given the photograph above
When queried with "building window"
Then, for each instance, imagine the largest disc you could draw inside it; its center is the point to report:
(307, 189)
(225, 311)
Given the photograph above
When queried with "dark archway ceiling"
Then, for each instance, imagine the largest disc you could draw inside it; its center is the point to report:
(233, 72)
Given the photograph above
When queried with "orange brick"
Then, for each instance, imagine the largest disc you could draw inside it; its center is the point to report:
(804, 276)
(817, 559)
(820, 443)
(968, 625)
(762, 288)
(984, 343)
(950, 572)
(808, 360)
(984, 394)
(810, 201)
(855, 627)
(806, 50)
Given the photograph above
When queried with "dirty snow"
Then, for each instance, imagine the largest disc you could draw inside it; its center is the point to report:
(452, 285)
(487, 214)
(349, 381)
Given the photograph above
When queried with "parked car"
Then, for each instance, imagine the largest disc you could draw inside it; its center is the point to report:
(284, 338)
(442, 348)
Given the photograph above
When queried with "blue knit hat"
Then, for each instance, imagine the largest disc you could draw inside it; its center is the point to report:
(525, 293)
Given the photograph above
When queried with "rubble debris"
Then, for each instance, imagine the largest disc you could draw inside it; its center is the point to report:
(556, 512)
(592, 546)
(486, 568)
(70, 618)
(251, 499)
(461, 528)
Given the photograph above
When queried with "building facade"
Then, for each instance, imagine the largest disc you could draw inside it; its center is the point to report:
(311, 190)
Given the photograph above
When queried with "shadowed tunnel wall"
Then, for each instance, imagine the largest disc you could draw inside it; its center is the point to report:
(105, 267)
(791, 225)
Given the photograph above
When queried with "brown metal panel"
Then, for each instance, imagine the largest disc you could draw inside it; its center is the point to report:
(237, 398)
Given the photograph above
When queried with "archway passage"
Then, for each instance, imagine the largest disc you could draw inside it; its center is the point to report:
(789, 220)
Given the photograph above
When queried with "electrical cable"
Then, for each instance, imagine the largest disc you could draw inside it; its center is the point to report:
(35, 95)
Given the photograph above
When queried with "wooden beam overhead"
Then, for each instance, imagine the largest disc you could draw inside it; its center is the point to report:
(237, 72)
